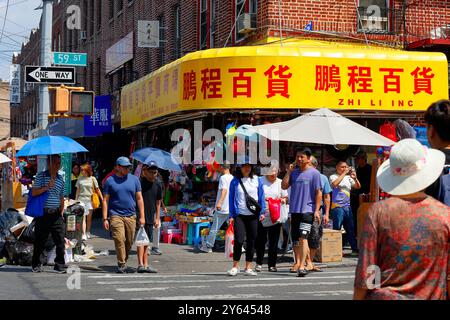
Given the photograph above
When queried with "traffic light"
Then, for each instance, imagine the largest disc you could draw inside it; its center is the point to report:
(60, 99)
(82, 102)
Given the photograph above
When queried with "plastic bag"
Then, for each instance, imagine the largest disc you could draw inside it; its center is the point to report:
(274, 209)
(19, 253)
(142, 239)
(404, 130)
(229, 242)
(68, 256)
(284, 213)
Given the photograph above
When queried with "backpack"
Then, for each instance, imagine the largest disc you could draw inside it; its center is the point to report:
(444, 187)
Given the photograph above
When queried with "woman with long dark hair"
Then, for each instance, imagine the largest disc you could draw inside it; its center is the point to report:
(247, 207)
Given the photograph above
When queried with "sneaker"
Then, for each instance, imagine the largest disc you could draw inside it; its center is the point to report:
(121, 269)
(37, 269)
(273, 269)
(150, 270)
(206, 249)
(250, 272)
(156, 252)
(88, 235)
(140, 269)
(60, 269)
(84, 237)
(302, 273)
(289, 251)
(258, 268)
(355, 253)
(233, 272)
(243, 250)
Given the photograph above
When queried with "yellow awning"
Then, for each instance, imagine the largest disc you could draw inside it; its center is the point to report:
(299, 74)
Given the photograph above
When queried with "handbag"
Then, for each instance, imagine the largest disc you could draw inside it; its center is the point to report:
(250, 202)
(95, 198)
(35, 204)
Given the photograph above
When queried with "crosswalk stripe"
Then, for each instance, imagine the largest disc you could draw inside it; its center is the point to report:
(280, 280)
(216, 297)
(113, 276)
(256, 285)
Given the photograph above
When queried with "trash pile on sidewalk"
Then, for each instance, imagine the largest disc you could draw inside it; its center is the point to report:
(17, 236)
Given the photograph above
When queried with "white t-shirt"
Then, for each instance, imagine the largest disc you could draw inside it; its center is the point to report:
(224, 183)
(346, 184)
(273, 190)
(251, 185)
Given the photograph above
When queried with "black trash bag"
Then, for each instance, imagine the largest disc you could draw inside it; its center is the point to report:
(8, 219)
(76, 209)
(28, 234)
(19, 252)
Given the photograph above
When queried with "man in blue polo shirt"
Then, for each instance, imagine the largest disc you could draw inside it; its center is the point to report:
(122, 192)
(52, 222)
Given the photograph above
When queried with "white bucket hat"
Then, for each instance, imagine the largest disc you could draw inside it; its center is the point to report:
(411, 168)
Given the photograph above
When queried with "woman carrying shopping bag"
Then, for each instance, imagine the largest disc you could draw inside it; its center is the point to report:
(270, 227)
(89, 194)
(247, 205)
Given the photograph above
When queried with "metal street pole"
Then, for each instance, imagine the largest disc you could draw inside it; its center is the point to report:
(46, 60)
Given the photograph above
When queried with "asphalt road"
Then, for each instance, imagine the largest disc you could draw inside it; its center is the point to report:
(20, 283)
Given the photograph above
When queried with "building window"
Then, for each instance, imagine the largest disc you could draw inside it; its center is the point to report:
(203, 24)
(162, 41)
(373, 16)
(91, 18)
(99, 76)
(119, 5)
(111, 9)
(177, 36)
(212, 28)
(99, 15)
(246, 14)
(207, 24)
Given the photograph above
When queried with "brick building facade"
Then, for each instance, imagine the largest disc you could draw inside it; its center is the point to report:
(191, 25)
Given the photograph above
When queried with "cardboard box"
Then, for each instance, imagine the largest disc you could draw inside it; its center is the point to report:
(330, 247)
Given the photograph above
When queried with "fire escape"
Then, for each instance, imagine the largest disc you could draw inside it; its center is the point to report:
(426, 27)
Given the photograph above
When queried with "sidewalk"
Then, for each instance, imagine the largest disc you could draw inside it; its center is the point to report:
(184, 259)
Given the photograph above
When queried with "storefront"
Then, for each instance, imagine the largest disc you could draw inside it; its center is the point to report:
(255, 84)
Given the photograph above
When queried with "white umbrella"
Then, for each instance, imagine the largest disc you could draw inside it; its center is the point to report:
(323, 126)
(4, 159)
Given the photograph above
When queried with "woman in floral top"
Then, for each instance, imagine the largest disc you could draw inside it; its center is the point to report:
(405, 245)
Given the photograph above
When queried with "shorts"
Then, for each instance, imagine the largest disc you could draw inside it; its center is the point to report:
(315, 235)
(301, 224)
(87, 205)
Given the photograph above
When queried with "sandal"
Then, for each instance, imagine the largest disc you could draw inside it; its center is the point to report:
(293, 269)
(315, 269)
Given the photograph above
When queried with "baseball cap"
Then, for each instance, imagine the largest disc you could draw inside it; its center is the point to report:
(123, 162)
(151, 165)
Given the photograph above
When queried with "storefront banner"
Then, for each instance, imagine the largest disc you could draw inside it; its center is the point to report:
(69, 127)
(264, 77)
(100, 122)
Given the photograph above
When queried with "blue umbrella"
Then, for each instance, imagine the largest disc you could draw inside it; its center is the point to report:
(163, 159)
(49, 145)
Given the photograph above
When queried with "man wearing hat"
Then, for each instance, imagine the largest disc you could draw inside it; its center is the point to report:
(404, 249)
(152, 194)
(122, 193)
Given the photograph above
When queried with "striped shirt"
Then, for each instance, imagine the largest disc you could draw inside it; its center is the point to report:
(54, 194)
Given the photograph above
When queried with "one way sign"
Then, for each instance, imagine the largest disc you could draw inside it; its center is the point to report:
(50, 75)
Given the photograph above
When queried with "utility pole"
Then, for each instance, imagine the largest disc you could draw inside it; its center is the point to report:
(46, 60)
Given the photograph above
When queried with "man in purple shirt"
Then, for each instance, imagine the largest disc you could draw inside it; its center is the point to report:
(304, 204)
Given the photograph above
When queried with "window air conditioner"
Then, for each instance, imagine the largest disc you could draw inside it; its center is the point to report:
(246, 23)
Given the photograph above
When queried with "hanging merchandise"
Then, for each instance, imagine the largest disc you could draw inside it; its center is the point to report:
(388, 130)
(421, 136)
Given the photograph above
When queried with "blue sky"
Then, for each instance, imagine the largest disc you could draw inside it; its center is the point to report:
(20, 20)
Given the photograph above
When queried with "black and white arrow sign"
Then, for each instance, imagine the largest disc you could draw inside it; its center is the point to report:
(50, 75)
